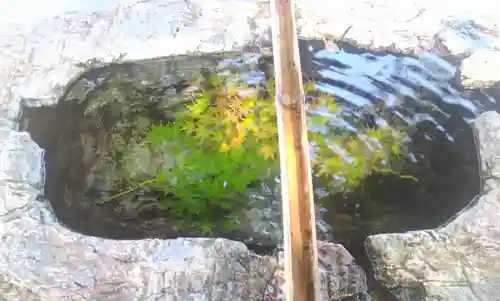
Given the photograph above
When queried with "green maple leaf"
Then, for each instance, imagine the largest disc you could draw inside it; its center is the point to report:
(159, 134)
(268, 151)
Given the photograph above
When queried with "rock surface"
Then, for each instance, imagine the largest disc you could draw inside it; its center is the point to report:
(42, 258)
(458, 261)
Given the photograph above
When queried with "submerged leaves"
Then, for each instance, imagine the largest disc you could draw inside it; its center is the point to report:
(226, 140)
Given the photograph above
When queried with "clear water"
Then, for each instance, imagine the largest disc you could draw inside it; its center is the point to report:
(371, 88)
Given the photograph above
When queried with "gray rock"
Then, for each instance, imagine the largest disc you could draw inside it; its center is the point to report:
(41, 258)
(458, 261)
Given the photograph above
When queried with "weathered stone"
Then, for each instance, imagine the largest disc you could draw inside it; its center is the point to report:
(40, 256)
(457, 261)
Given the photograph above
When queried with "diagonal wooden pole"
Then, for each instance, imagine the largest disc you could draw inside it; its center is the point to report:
(298, 205)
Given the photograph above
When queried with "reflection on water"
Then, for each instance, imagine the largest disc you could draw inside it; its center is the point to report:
(373, 89)
(394, 89)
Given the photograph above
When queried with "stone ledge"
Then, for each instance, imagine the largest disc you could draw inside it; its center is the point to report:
(458, 261)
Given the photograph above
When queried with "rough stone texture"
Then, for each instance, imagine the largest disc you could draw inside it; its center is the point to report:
(42, 258)
(460, 260)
